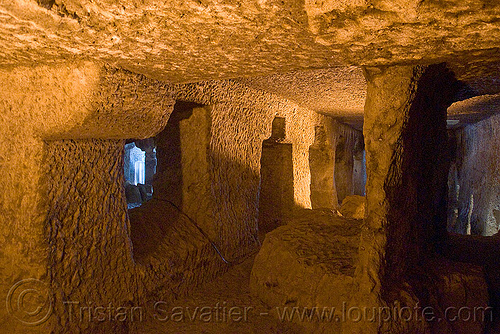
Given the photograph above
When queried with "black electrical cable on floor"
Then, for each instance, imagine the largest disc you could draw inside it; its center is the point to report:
(197, 227)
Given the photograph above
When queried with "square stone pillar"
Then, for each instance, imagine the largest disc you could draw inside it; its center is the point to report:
(276, 200)
(183, 175)
(322, 165)
(405, 133)
(89, 236)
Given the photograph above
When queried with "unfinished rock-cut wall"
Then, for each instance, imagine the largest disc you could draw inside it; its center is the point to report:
(65, 222)
(322, 166)
(475, 179)
(241, 120)
(88, 233)
(204, 213)
(174, 234)
(29, 110)
(349, 173)
(405, 130)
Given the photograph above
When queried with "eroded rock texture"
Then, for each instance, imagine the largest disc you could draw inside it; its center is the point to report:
(353, 207)
(276, 201)
(212, 40)
(309, 263)
(83, 232)
(406, 194)
(474, 180)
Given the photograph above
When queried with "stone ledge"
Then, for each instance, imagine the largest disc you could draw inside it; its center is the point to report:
(308, 263)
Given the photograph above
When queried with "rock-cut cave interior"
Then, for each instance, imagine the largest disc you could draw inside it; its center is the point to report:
(260, 166)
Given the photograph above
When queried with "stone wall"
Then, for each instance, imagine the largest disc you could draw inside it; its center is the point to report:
(405, 130)
(348, 147)
(174, 234)
(28, 110)
(67, 241)
(241, 121)
(416, 188)
(65, 222)
(474, 179)
(204, 212)
(88, 233)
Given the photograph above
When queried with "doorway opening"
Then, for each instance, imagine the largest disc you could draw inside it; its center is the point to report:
(139, 170)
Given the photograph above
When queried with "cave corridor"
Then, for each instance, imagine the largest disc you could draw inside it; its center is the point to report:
(267, 166)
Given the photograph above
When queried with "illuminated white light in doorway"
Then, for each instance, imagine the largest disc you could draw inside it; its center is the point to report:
(137, 164)
(140, 175)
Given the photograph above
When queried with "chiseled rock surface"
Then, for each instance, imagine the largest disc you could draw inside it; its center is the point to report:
(308, 263)
(70, 123)
(170, 252)
(353, 207)
(477, 179)
(187, 41)
(463, 289)
(311, 262)
(84, 232)
(69, 191)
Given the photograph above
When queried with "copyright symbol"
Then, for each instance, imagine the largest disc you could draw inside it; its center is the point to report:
(29, 301)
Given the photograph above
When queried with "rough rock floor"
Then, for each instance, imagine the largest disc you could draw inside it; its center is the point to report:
(230, 290)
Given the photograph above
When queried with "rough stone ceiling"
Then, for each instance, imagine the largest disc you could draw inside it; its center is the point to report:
(303, 50)
(194, 40)
(340, 92)
(334, 91)
(474, 109)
